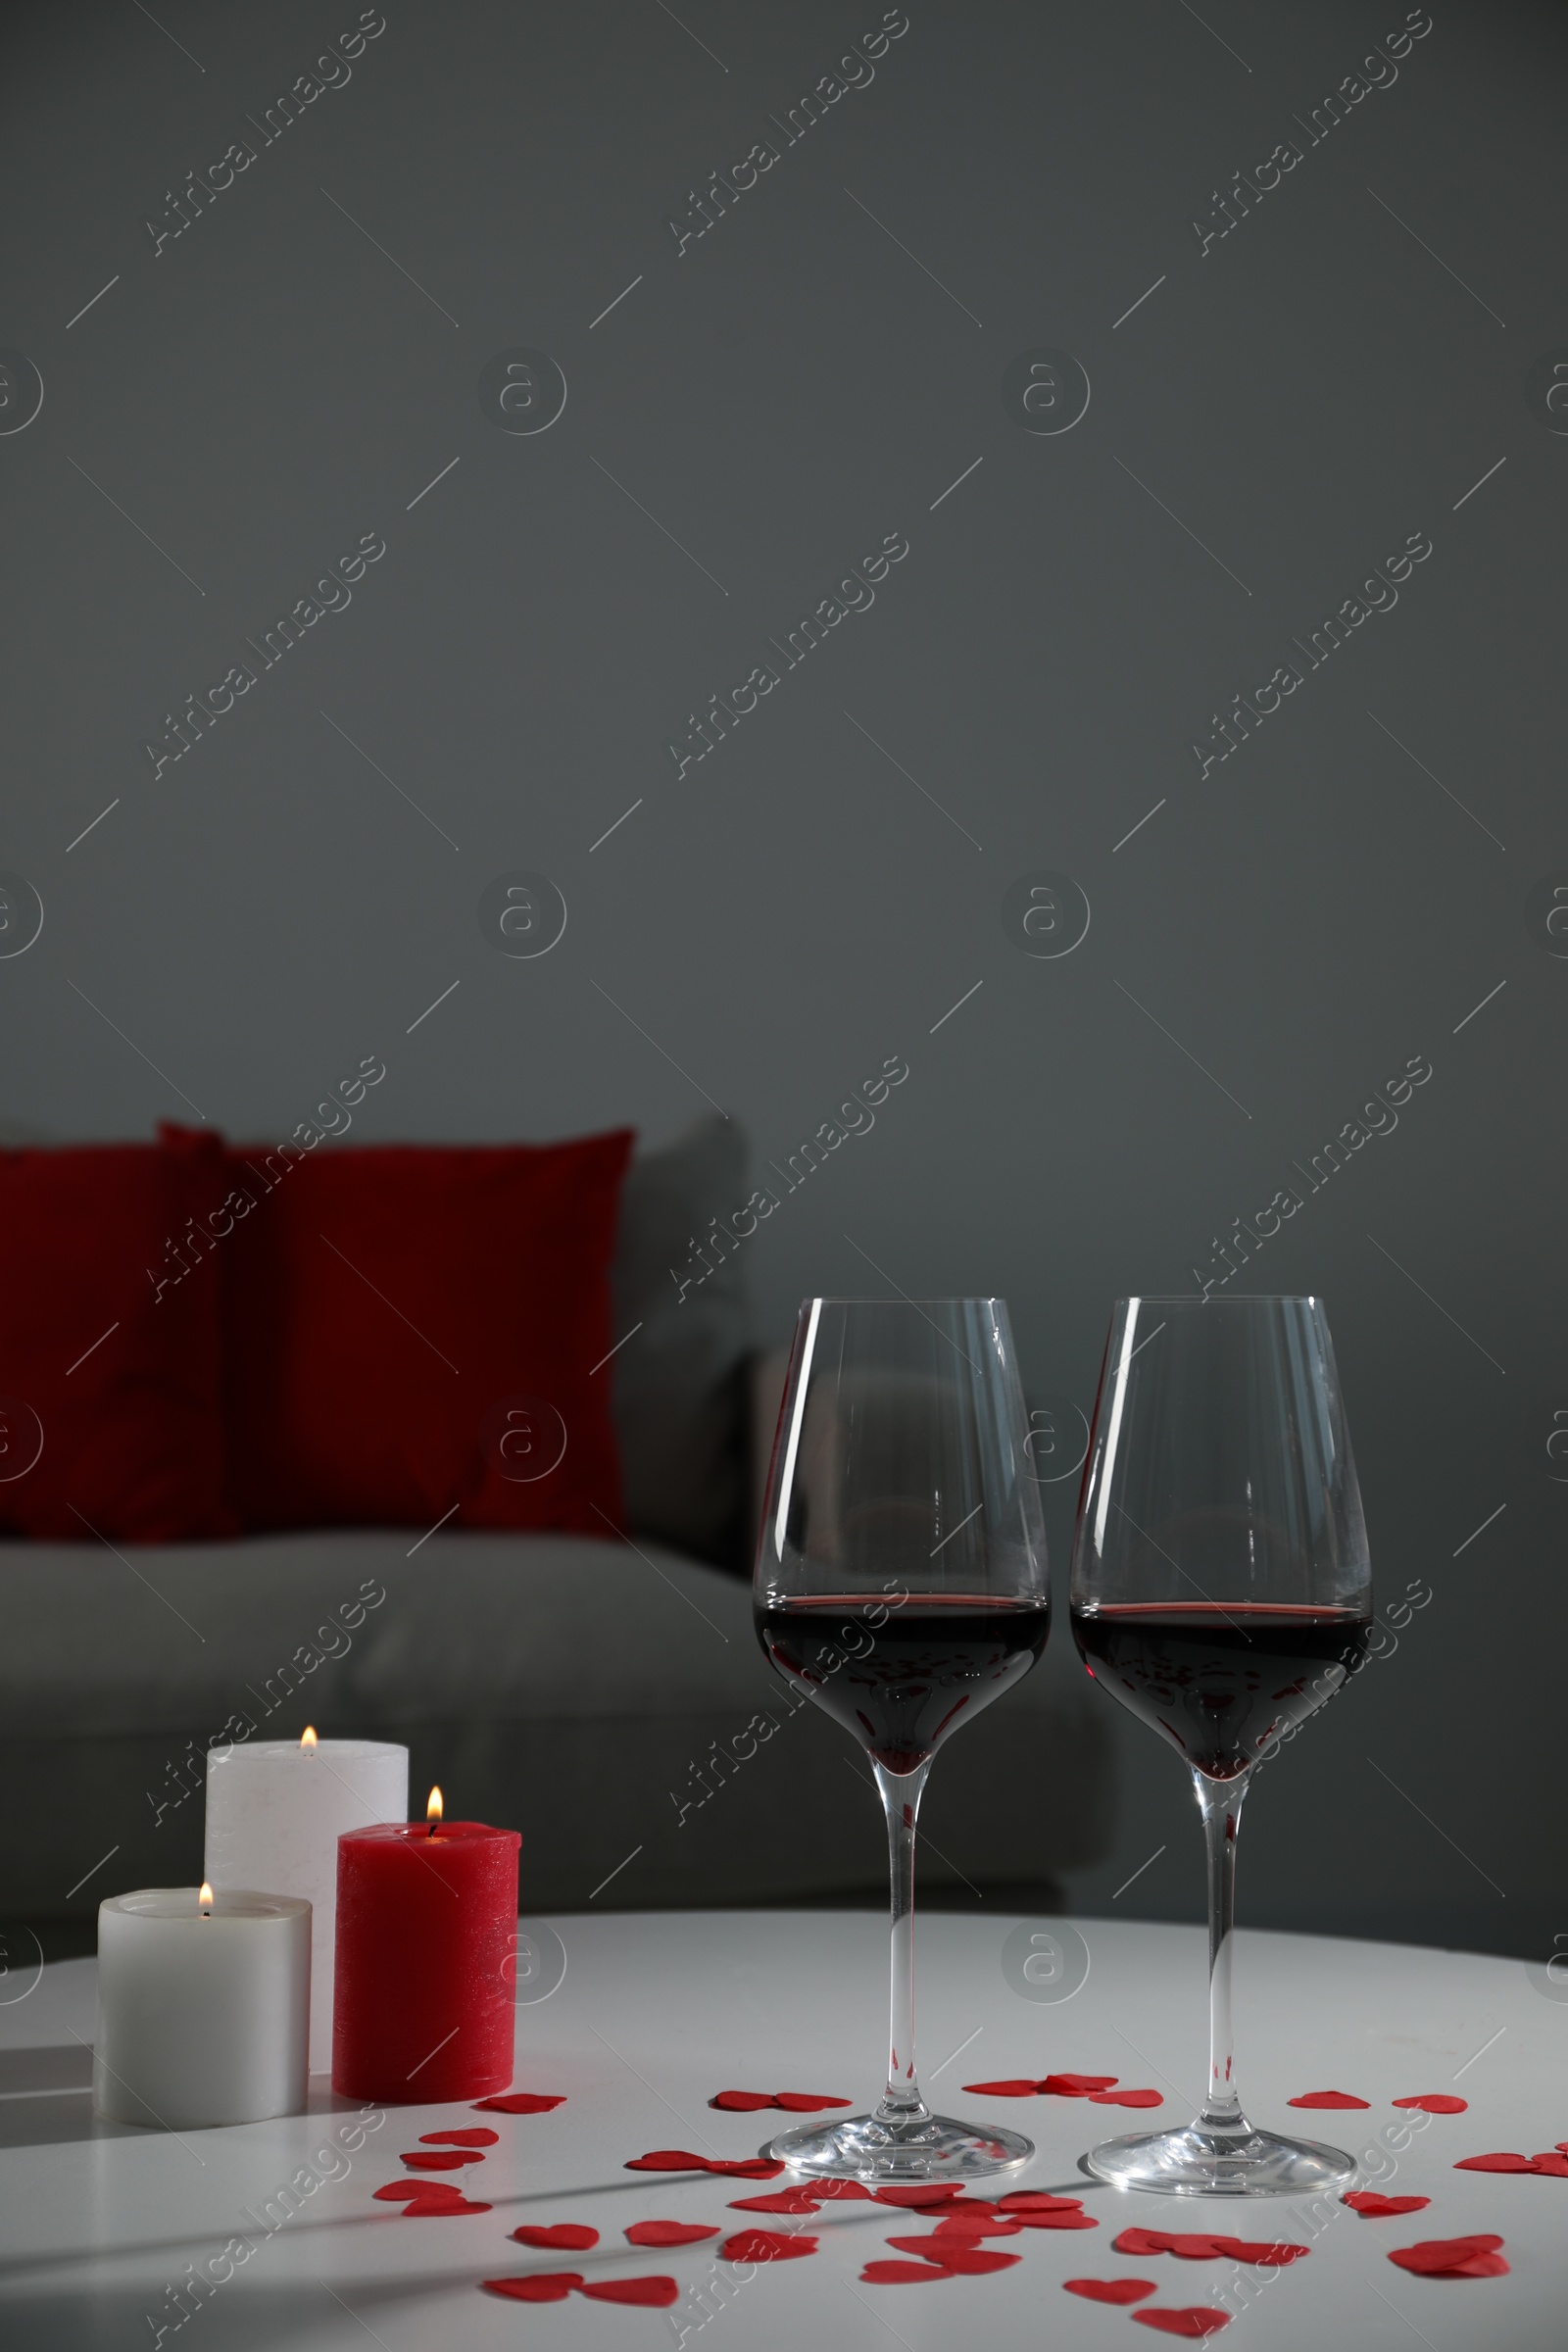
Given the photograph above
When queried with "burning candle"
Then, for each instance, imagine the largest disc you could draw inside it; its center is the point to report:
(203, 2007)
(275, 1810)
(426, 1934)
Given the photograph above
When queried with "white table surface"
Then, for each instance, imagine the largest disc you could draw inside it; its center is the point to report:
(657, 2012)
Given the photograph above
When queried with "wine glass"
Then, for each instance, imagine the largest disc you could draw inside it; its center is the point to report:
(902, 1585)
(1221, 1590)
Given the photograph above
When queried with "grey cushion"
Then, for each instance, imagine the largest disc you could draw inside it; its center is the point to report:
(680, 1404)
(594, 1697)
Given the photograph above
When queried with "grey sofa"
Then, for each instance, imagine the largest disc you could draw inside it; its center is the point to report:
(608, 1699)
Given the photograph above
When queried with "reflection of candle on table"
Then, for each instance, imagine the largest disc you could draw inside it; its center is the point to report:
(426, 1930)
(275, 1810)
(203, 2007)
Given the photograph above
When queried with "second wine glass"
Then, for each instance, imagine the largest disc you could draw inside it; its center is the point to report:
(902, 1585)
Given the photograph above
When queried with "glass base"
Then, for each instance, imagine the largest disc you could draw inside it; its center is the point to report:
(932, 2147)
(1201, 2161)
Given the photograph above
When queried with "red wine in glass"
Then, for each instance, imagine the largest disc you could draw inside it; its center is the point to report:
(1225, 1685)
(899, 1687)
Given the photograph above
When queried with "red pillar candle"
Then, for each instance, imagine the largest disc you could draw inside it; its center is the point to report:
(426, 1937)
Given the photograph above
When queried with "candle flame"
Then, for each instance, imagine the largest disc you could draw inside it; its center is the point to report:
(433, 1810)
(205, 1900)
(308, 1739)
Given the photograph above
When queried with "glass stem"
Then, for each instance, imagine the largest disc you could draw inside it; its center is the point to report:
(901, 1800)
(1220, 1803)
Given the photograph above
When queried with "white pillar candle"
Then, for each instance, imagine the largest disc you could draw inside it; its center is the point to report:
(276, 1809)
(203, 2013)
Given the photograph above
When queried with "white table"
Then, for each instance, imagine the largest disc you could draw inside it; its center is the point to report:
(657, 2012)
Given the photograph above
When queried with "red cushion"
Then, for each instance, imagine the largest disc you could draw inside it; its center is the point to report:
(413, 1327)
(109, 1344)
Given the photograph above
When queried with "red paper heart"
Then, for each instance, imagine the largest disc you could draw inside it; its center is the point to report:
(1436, 2102)
(902, 2273)
(1126, 2098)
(1480, 2265)
(960, 2223)
(1500, 2161)
(656, 2291)
(535, 2286)
(681, 2160)
(1266, 2254)
(1553, 2163)
(1034, 2200)
(479, 2137)
(766, 2245)
(780, 2200)
(1141, 2241)
(568, 2238)
(1373, 2208)
(429, 2208)
(807, 2103)
(1328, 2098)
(669, 2234)
(1437, 2257)
(1068, 2218)
(1011, 2087)
(1112, 2290)
(519, 2102)
(1193, 2320)
(1077, 2087)
(443, 2160)
(1197, 2245)
(919, 2193)
(954, 2253)
(742, 2102)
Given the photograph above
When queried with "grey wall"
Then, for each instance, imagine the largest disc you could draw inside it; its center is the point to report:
(1291, 402)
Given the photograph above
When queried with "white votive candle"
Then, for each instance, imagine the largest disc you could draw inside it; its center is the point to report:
(203, 2007)
(275, 1810)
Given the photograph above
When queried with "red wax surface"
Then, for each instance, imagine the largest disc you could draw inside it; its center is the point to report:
(426, 1929)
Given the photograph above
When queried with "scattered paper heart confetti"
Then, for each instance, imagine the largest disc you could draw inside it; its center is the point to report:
(657, 2293)
(902, 2273)
(1062, 2086)
(742, 2102)
(399, 2193)
(419, 2209)
(1034, 2200)
(681, 2160)
(1553, 2161)
(766, 2245)
(807, 2103)
(439, 2160)
(1328, 2098)
(568, 2238)
(479, 2137)
(1478, 2257)
(1194, 2320)
(961, 2224)
(780, 2200)
(1500, 2161)
(1066, 2218)
(519, 2102)
(1374, 2208)
(1077, 2087)
(1436, 2102)
(1268, 2255)
(918, 2194)
(669, 2234)
(955, 2254)
(1011, 2087)
(1126, 2098)
(1112, 2290)
(537, 2286)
